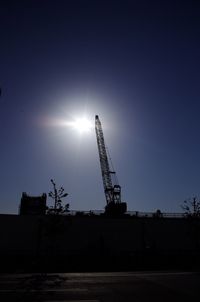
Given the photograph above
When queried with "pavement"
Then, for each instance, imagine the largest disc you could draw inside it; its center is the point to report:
(101, 287)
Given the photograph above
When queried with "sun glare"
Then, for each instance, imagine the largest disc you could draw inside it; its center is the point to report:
(82, 125)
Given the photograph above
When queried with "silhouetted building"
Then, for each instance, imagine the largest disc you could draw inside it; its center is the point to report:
(33, 205)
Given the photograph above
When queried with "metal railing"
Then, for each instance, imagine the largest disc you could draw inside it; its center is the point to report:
(129, 213)
(156, 214)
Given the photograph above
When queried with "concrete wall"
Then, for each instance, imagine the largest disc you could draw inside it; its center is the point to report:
(21, 233)
(47, 236)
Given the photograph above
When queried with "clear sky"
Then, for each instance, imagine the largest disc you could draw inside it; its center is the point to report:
(134, 63)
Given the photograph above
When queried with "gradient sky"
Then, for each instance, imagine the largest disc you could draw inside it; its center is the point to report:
(134, 63)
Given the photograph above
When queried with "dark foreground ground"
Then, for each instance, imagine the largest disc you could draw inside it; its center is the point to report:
(96, 287)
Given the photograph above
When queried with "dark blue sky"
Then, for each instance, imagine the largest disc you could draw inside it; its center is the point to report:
(134, 63)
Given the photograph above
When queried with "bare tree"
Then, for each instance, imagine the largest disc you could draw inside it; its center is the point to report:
(191, 207)
(57, 195)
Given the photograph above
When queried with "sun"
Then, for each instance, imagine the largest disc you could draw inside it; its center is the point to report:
(82, 125)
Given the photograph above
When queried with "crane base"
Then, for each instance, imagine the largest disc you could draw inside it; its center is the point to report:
(116, 209)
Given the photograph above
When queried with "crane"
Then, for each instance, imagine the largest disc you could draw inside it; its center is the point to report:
(112, 191)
